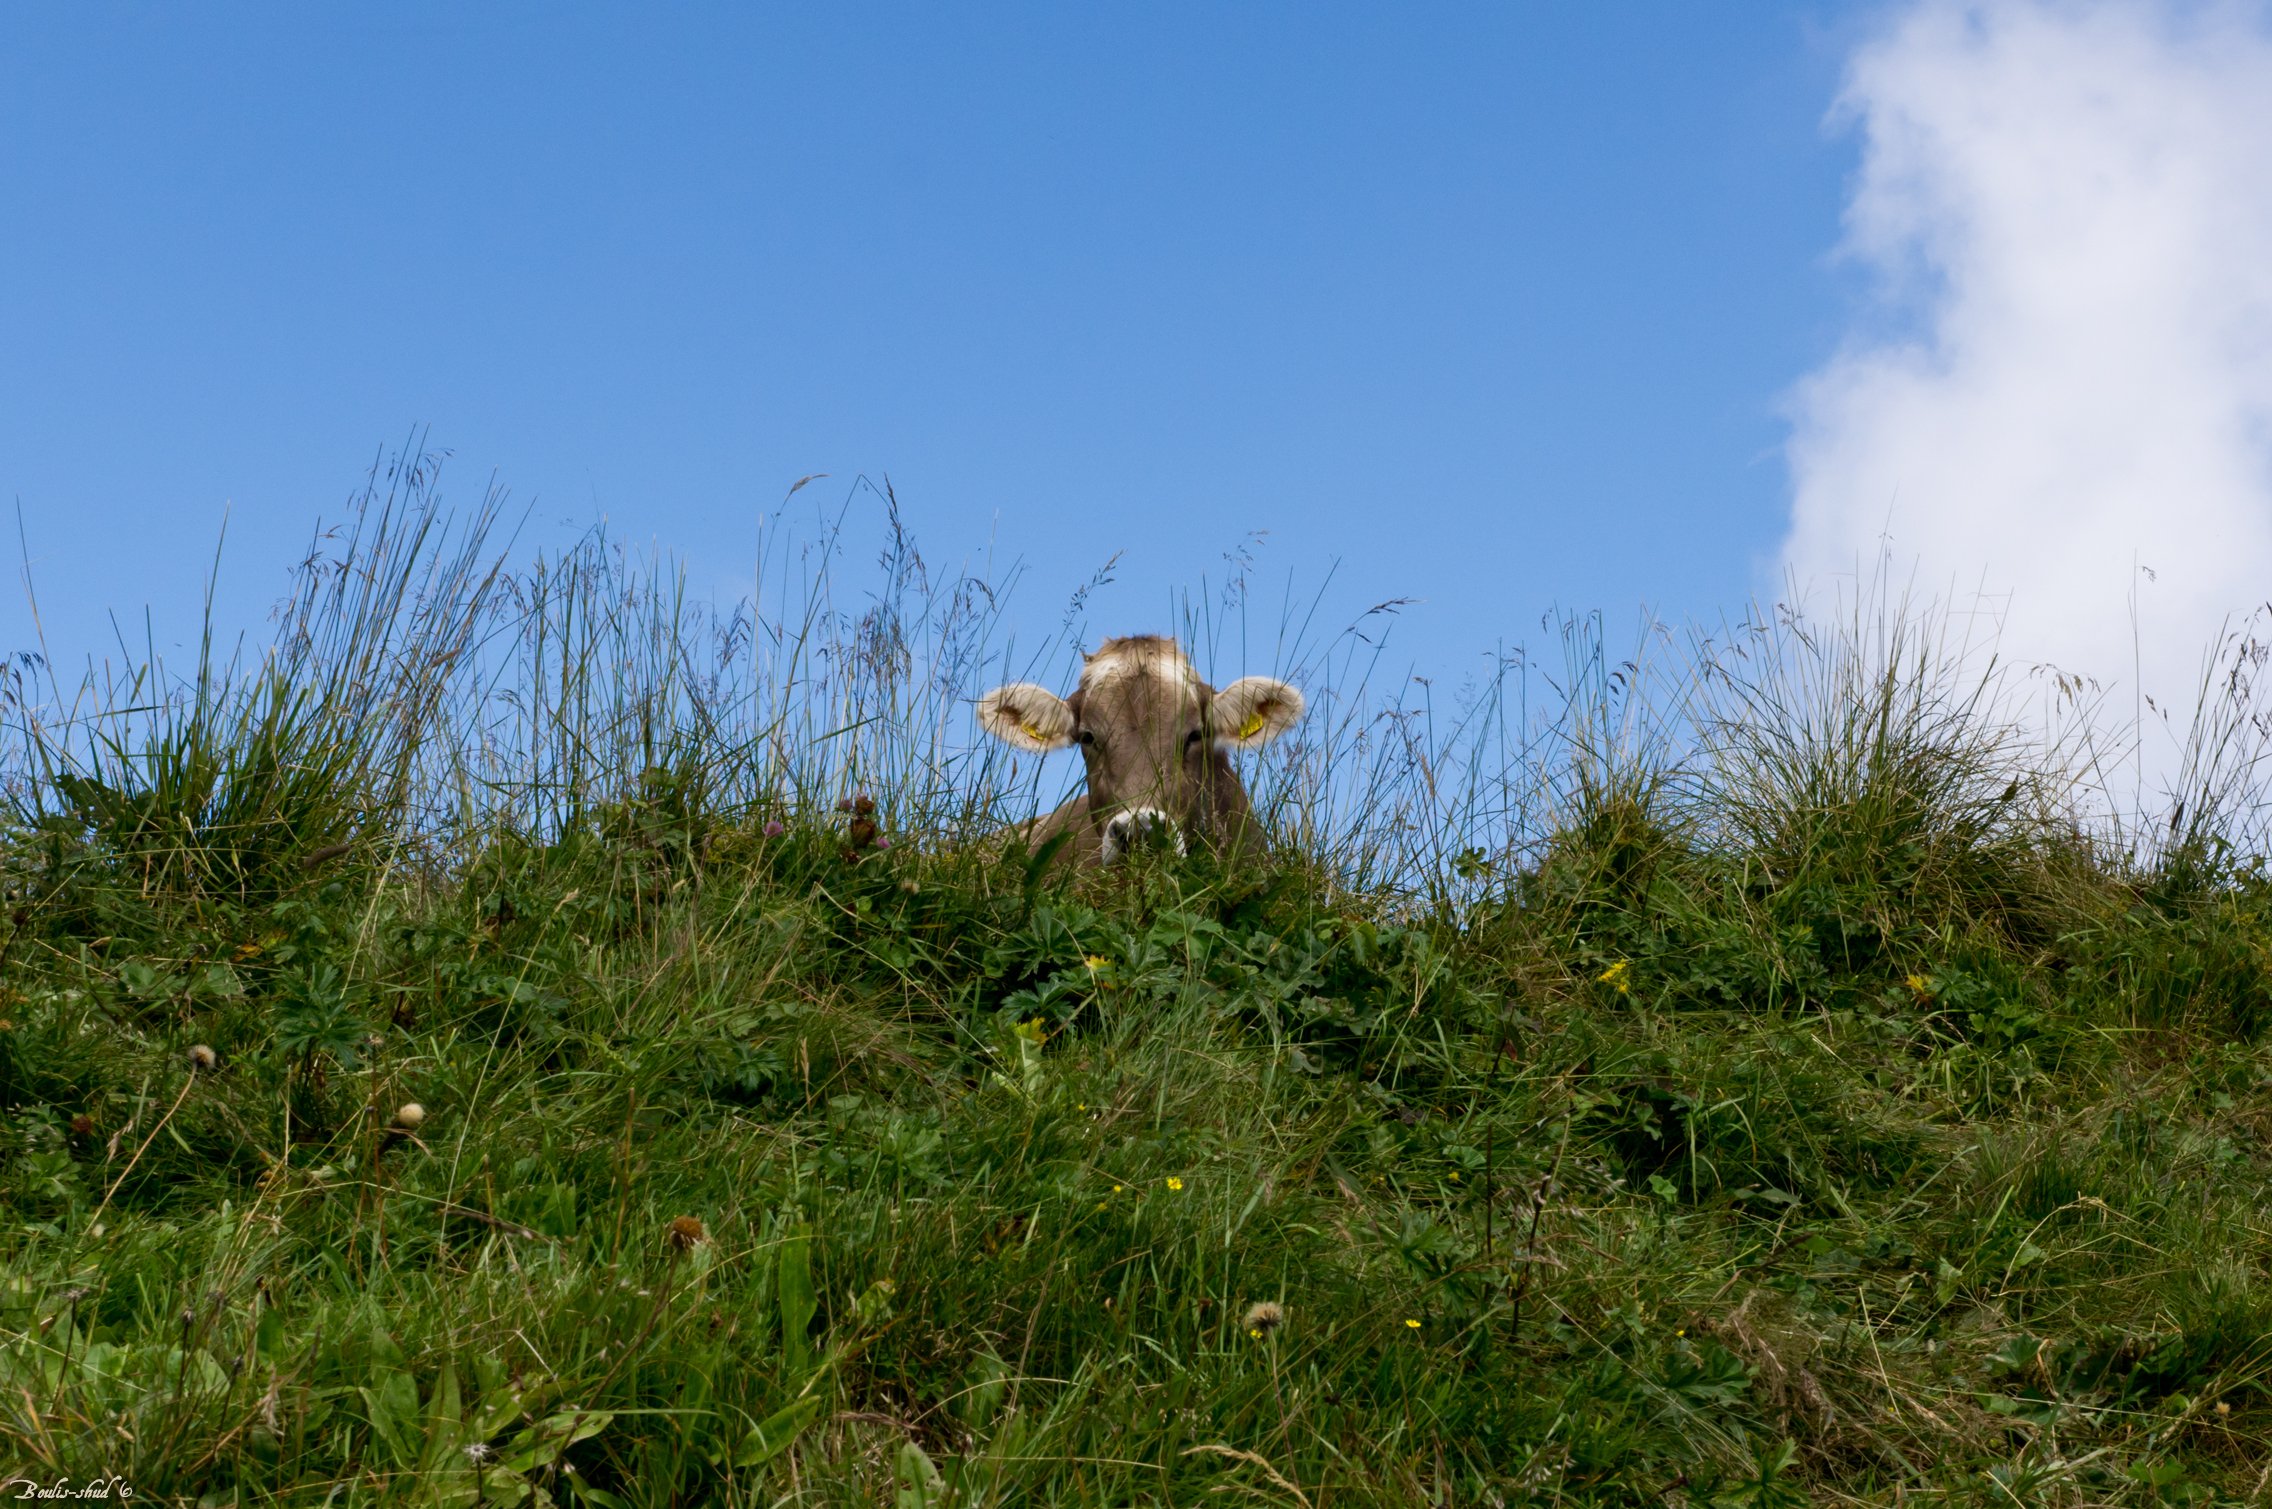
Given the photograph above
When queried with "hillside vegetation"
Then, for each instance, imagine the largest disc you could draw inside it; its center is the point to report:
(1765, 1084)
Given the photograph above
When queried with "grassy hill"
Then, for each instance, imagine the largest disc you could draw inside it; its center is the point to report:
(1799, 1105)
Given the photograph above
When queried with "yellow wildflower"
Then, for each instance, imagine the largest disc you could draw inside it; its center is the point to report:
(1616, 977)
(1174, 1182)
(1919, 986)
(1415, 1325)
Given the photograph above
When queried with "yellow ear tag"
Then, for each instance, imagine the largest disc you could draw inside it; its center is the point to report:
(1252, 726)
(1034, 733)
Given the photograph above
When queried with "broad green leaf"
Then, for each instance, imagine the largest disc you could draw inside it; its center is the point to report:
(393, 1407)
(542, 1443)
(444, 1420)
(601, 1497)
(383, 1347)
(772, 1435)
(990, 1382)
(795, 1289)
(920, 1486)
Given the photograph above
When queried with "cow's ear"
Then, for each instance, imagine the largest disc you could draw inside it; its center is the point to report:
(1026, 716)
(1253, 710)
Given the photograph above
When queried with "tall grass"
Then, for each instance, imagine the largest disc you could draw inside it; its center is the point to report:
(423, 694)
(481, 1048)
(228, 777)
(421, 691)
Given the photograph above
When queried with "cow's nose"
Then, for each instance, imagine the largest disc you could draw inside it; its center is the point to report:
(1140, 825)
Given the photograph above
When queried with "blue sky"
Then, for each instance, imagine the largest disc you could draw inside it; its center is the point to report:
(1498, 305)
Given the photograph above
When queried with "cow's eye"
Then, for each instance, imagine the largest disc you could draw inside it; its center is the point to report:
(1191, 740)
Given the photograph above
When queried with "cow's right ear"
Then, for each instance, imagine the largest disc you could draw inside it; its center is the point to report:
(1026, 716)
(1253, 710)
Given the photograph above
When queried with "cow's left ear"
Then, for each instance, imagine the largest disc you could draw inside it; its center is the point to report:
(1027, 717)
(1253, 710)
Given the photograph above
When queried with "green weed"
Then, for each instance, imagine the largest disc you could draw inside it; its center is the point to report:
(529, 1041)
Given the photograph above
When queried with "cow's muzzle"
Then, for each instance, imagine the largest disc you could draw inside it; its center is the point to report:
(1146, 827)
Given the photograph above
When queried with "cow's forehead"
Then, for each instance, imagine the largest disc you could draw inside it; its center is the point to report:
(1136, 661)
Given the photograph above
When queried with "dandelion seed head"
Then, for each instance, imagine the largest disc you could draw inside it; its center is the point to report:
(1263, 1317)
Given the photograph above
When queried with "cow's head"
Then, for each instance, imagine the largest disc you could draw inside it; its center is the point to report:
(1155, 737)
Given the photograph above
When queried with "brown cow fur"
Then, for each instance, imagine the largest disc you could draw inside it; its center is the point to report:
(1156, 741)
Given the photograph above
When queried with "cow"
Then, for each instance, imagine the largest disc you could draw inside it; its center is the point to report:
(1157, 742)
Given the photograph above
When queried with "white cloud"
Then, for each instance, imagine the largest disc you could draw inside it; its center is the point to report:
(2065, 210)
